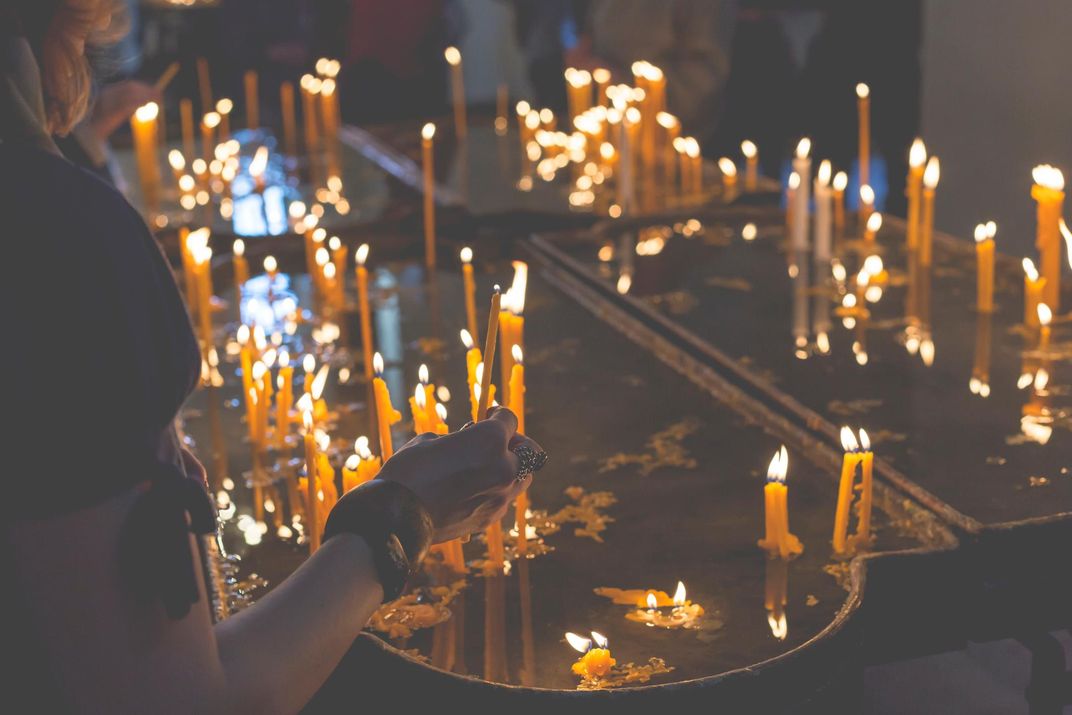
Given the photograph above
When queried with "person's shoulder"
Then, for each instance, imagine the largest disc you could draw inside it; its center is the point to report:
(64, 201)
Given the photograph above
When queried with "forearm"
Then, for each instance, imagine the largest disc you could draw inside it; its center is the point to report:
(279, 651)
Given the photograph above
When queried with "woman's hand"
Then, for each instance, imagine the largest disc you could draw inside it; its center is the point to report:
(466, 480)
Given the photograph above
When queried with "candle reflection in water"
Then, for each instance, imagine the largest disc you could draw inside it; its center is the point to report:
(979, 384)
(775, 597)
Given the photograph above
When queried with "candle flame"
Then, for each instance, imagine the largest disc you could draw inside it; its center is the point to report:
(679, 594)
(361, 446)
(848, 440)
(176, 159)
(841, 180)
(224, 106)
(323, 441)
(352, 462)
(727, 167)
(917, 155)
(926, 351)
(284, 358)
(320, 381)
(518, 356)
(305, 403)
(329, 271)
(270, 264)
(874, 222)
(309, 363)
(466, 255)
(519, 287)
(1042, 379)
(692, 147)
(867, 195)
(803, 148)
(579, 643)
(258, 370)
(794, 181)
(441, 411)
(825, 169)
(467, 339)
(453, 56)
(779, 466)
(931, 173)
(428, 131)
(1049, 177)
(748, 233)
(749, 149)
(865, 441)
(601, 75)
(1045, 315)
(778, 625)
(599, 639)
(863, 91)
(377, 364)
(422, 374)
(361, 254)
(478, 373)
(197, 239)
(334, 243)
(211, 120)
(666, 120)
(652, 601)
(419, 397)
(307, 420)
(1029, 270)
(147, 112)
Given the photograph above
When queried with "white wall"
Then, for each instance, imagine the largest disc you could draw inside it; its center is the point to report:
(997, 99)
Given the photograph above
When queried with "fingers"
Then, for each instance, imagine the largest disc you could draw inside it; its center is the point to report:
(419, 439)
(507, 418)
(525, 456)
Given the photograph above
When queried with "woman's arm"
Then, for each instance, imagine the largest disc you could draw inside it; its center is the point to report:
(110, 654)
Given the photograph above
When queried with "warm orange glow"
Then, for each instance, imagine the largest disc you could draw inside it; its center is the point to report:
(377, 364)
(578, 643)
(848, 440)
(794, 181)
(727, 167)
(1046, 176)
(519, 287)
(428, 131)
(748, 148)
(917, 155)
(779, 466)
(652, 601)
(308, 363)
(679, 594)
(466, 255)
(419, 397)
(224, 106)
(210, 120)
(467, 339)
(867, 195)
(823, 175)
(518, 356)
(270, 264)
(865, 441)
(259, 162)
(1045, 315)
(321, 379)
(1029, 270)
(863, 91)
(238, 248)
(453, 56)
(874, 222)
(803, 148)
(148, 112)
(666, 120)
(931, 173)
(841, 180)
(176, 160)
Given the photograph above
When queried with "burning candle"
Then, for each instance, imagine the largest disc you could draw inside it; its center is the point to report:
(240, 266)
(841, 180)
(386, 415)
(601, 76)
(823, 200)
(1048, 193)
(502, 101)
(427, 134)
(223, 108)
(517, 406)
(671, 126)
(271, 267)
(512, 321)
(312, 519)
(145, 130)
(778, 541)
(466, 256)
(290, 122)
(848, 476)
(802, 168)
(791, 186)
(917, 157)
(201, 262)
(926, 229)
(684, 614)
(751, 157)
(867, 461)
(360, 256)
(370, 465)
(457, 87)
(253, 113)
(209, 122)
(729, 174)
(984, 254)
(473, 364)
(874, 223)
(863, 107)
(1045, 315)
(1034, 290)
(692, 149)
(595, 662)
(867, 201)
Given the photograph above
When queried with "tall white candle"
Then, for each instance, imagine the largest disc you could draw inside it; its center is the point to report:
(823, 205)
(802, 167)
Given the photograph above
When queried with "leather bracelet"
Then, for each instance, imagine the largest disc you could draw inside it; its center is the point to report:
(394, 524)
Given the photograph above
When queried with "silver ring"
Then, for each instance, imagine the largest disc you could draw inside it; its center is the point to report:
(531, 461)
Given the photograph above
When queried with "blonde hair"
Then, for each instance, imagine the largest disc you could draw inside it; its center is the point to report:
(66, 81)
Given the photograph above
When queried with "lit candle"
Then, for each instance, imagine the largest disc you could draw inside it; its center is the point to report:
(579, 91)
(201, 257)
(601, 76)
(312, 519)
(209, 122)
(186, 113)
(823, 200)
(874, 223)
(360, 256)
(867, 201)
(844, 502)
(692, 148)
(271, 267)
(370, 465)
(1034, 289)
(1048, 193)
(329, 112)
(427, 133)
(240, 266)
(145, 130)
(290, 122)
(386, 415)
(791, 186)
(457, 88)
(223, 108)
(177, 162)
(474, 372)
(863, 107)
(595, 662)
(802, 168)
(469, 283)
(284, 398)
(512, 320)
(517, 406)
(729, 175)
(984, 254)
(308, 368)
(778, 540)
(841, 180)
(671, 126)
(867, 461)
(1045, 315)
(310, 87)
(252, 103)
(349, 473)
(685, 614)
(751, 157)
(926, 228)
(917, 157)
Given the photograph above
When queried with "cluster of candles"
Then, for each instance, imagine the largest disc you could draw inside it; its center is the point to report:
(206, 174)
